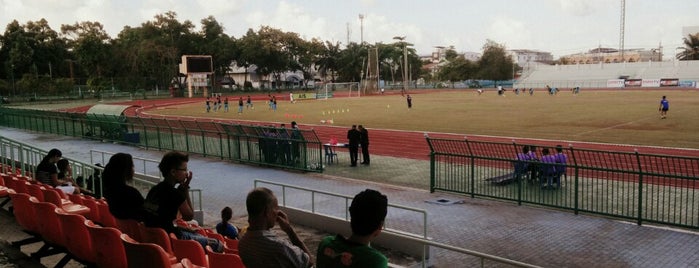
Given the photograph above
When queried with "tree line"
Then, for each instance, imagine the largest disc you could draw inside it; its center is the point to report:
(38, 60)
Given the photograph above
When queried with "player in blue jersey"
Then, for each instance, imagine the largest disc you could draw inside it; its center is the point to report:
(664, 106)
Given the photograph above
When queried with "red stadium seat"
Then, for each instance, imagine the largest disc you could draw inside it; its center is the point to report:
(130, 227)
(106, 217)
(189, 249)
(25, 217)
(76, 237)
(91, 203)
(223, 260)
(52, 195)
(106, 245)
(140, 255)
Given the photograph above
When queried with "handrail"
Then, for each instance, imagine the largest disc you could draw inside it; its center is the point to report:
(142, 166)
(423, 239)
(25, 157)
(146, 177)
(347, 202)
(482, 256)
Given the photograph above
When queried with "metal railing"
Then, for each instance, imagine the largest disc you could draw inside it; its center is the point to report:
(23, 158)
(317, 201)
(628, 185)
(262, 145)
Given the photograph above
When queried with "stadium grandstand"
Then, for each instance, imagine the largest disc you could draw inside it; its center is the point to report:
(598, 75)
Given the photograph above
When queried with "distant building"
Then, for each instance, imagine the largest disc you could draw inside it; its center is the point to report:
(527, 57)
(613, 55)
(287, 79)
(434, 62)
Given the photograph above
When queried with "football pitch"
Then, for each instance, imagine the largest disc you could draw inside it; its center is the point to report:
(610, 116)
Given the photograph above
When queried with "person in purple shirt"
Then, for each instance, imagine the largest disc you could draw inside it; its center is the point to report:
(548, 168)
(562, 160)
(522, 164)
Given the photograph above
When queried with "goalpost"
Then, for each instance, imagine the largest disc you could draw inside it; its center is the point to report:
(350, 89)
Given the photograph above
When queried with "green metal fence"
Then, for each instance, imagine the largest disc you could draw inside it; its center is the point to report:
(633, 186)
(262, 145)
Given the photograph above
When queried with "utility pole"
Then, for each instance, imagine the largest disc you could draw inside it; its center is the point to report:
(621, 29)
(405, 59)
(14, 89)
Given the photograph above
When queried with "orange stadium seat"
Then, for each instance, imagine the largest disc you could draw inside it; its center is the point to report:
(91, 203)
(53, 196)
(51, 232)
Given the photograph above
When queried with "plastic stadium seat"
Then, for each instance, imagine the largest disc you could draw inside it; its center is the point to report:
(140, 255)
(223, 260)
(53, 196)
(231, 243)
(76, 237)
(189, 249)
(130, 227)
(37, 191)
(106, 246)
(51, 232)
(94, 214)
(76, 199)
(106, 217)
(25, 217)
(156, 236)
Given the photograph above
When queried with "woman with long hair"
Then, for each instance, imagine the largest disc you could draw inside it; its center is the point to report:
(125, 201)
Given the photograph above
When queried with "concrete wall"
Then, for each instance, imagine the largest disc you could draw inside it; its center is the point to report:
(334, 225)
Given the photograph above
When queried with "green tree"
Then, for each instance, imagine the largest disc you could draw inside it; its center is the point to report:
(91, 46)
(691, 48)
(32, 49)
(328, 61)
(495, 64)
(457, 69)
(351, 62)
(219, 45)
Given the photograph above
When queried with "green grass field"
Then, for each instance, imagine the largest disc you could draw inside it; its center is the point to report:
(611, 116)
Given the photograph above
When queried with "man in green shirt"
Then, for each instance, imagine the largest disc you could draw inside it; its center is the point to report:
(367, 212)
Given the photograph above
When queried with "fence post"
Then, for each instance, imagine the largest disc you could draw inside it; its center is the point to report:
(576, 191)
(639, 221)
(472, 179)
(519, 179)
(432, 166)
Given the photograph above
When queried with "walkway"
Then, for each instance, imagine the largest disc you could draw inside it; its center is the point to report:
(533, 235)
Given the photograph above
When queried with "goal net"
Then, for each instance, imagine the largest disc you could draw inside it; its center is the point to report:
(338, 89)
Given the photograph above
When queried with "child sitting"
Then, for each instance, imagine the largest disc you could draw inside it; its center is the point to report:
(224, 228)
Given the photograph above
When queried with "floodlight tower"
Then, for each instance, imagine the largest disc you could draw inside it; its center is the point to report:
(361, 28)
(621, 30)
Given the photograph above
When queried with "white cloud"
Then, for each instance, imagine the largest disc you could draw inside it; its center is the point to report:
(586, 7)
(514, 34)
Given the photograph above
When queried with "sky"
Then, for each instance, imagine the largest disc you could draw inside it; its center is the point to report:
(560, 27)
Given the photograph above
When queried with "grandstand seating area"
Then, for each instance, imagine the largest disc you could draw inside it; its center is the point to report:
(596, 75)
(90, 235)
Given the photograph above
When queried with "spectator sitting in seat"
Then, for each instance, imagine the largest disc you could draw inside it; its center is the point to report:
(534, 165)
(260, 247)
(548, 169)
(171, 196)
(125, 202)
(368, 212)
(521, 165)
(562, 160)
(47, 172)
(224, 227)
(65, 175)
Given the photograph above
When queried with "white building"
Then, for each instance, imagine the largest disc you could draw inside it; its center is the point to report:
(526, 57)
